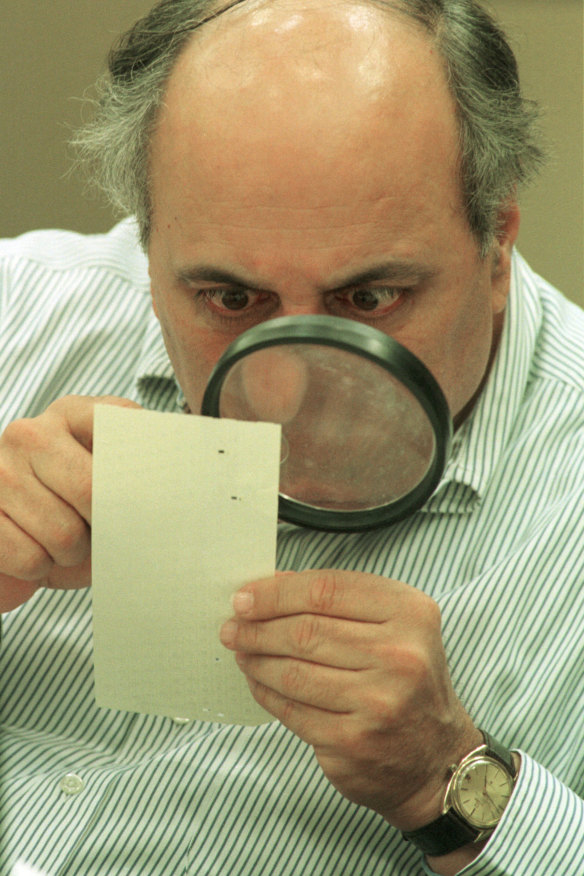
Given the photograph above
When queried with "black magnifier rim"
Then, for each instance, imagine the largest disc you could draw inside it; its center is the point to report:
(370, 343)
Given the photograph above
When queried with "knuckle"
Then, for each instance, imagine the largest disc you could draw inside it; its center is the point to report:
(323, 592)
(385, 650)
(21, 433)
(32, 564)
(407, 662)
(415, 667)
(289, 712)
(9, 478)
(61, 405)
(249, 636)
(306, 633)
(294, 678)
(20, 556)
(61, 413)
(83, 488)
(68, 542)
(383, 711)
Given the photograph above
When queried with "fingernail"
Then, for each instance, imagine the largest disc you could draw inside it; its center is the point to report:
(228, 633)
(242, 602)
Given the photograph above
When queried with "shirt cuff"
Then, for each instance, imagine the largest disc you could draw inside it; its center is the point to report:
(542, 830)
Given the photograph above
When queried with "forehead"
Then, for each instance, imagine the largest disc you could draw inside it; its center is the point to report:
(295, 105)
(317, 38)
(258, 52)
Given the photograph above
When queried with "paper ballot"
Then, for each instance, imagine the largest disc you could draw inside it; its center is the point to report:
(184, 513)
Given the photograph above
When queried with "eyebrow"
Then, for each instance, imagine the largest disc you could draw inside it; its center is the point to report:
(396, 270)
(211, 274)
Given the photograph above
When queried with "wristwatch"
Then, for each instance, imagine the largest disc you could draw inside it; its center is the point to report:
(479, 789)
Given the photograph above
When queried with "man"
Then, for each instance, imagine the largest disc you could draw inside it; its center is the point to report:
(296, 157)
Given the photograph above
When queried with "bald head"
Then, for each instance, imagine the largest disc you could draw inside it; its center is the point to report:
(268, 96)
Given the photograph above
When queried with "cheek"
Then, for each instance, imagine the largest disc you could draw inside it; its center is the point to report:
(465, 354)
(453, 339)
(193, 350)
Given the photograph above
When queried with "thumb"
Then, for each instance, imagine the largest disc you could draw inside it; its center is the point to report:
(80, 412)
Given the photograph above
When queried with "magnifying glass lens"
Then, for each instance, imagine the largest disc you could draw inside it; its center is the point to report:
(354, 438)
(365, 427)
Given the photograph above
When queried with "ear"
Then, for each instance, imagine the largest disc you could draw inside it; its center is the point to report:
(508, 229)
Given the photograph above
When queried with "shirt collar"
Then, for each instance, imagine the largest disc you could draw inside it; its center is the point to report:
(479, 443)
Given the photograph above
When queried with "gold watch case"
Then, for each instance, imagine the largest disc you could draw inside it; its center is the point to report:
(479, 790)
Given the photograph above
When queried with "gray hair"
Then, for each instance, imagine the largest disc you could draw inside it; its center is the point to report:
(499, 137)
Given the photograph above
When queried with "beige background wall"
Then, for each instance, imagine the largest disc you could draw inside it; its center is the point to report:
(52, 50)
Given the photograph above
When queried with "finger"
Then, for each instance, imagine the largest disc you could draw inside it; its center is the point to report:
(45, 518)
(65, 469)
(14, 591)
(73, 442)
(352, 595)
(308, 683)
(25, 560)
(77, 412)
(327, 641)
(21, 557)
(71, 578)
(317, 727)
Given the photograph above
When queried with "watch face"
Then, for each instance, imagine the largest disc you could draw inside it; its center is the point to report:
(481, 792)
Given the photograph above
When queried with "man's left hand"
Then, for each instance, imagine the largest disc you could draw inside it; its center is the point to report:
(354, 665)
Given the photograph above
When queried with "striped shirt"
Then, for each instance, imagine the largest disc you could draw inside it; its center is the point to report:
(92, 792)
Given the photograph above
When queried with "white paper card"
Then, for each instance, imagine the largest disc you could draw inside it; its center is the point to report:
(184, 513)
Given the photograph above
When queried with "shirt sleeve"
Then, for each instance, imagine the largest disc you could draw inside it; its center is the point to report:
(541, 832)
(74, 311)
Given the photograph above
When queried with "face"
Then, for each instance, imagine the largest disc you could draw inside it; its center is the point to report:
(305, 162)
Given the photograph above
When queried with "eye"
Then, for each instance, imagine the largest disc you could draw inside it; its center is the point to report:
(372, 299)
(226, 301)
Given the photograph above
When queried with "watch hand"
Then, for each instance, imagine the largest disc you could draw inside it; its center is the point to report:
(490, 803)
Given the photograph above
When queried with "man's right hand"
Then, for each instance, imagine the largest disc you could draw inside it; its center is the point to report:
(45, 499)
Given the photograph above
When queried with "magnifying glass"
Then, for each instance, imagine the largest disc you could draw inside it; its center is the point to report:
(366, 429)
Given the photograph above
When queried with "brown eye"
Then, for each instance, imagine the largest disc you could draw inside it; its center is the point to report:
(365, 299)
(375, 298)
(233, 303)
(234, 299)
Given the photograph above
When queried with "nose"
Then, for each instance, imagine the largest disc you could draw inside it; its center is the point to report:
(313, 307)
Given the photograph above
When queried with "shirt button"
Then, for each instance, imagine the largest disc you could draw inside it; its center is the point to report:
(71, 784)
(181, 721)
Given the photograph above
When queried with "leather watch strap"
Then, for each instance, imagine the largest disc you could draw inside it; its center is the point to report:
(444, 835)
(501, 752)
